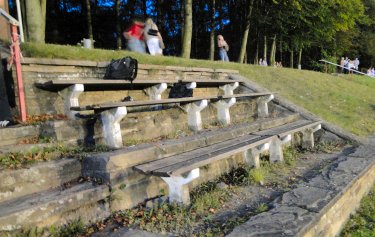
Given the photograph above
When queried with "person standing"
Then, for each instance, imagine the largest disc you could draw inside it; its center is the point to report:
(134, 37)
(356, 63)
(223, 48)
(153, 38)
(342, 64)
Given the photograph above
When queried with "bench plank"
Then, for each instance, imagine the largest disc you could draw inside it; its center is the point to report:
(101, 84)
(106, 106)
(289, 128)
(181, 163)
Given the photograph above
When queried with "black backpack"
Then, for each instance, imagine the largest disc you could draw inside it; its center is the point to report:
(122, 69)
(179, 90)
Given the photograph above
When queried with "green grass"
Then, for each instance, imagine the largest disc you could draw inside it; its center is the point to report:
(347, 101)
(362, 224)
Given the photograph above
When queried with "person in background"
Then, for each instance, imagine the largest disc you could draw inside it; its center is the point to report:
(356, 63)
(260, 62)
(134, 37)
(264, 63)
(223, 48)
(342, 64)
(153, 38)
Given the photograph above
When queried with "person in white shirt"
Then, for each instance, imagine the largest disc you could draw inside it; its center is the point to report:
(153, 38)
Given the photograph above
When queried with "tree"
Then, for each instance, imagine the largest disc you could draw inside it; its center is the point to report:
(89, 20)
(246, 32)
(188, 28)
(212, 33)
(118, 24)
(36, 20)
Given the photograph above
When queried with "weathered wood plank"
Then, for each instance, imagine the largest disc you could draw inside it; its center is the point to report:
(101, 84)
(289, 128)
(179, 164)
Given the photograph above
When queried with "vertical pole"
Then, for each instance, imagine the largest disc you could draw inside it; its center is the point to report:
(17, 62)
(19, 15)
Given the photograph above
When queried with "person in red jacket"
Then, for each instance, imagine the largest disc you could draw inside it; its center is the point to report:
(134, 37)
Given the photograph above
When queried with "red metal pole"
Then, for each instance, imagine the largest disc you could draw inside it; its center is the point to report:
(17, 62)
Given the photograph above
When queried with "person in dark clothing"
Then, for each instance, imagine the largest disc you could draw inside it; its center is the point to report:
(5, 112)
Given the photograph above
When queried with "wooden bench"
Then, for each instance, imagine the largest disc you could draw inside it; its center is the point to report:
(180, 169)
(70, 90)
(113, 113)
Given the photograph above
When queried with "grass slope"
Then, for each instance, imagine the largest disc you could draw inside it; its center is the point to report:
(347, 101)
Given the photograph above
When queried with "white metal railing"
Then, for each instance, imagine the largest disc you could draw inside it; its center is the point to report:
(353, 70)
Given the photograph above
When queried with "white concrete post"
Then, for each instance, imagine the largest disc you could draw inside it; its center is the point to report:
(194, 114)
(308, 136)
(252, 155)
(70, 96)
(111, 126)
(229, 88)
(154, 92)
(178, 190)
(262, 103)
(222, 107)
(191, 85)
(276, 148)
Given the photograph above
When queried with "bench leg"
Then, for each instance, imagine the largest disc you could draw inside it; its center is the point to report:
(194, 114)
(229, 88)
(252, 155)
(155, 92)
(178, 190)
(262, 103)
(308, 136)
(222, 107)
(111, 126)
(276, 148)
(70, 96)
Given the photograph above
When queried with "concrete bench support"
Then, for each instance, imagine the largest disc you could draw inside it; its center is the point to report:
(229, 88)
(222, 107)
(252, 155)
(194, 114)
(154, 92)
(111, 126)
(70, 96)
(276, 148)
(262, 103)
(178, 190)
(191, 85)
(308, 136)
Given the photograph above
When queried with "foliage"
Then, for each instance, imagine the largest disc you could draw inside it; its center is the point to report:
(314, 26)
(362, 224)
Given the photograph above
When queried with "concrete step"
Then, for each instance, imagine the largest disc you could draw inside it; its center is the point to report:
(55, 207)
(38, 177)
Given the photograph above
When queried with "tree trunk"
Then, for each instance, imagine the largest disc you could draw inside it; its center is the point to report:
(212, 34)
(245, 33)
(256, 58)
(281, 51)
(118, 24)
(265, 48)
(273, 51)
(89, 20)
(188, 27)
(299, 58)
(291, 58)
(36, 20)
